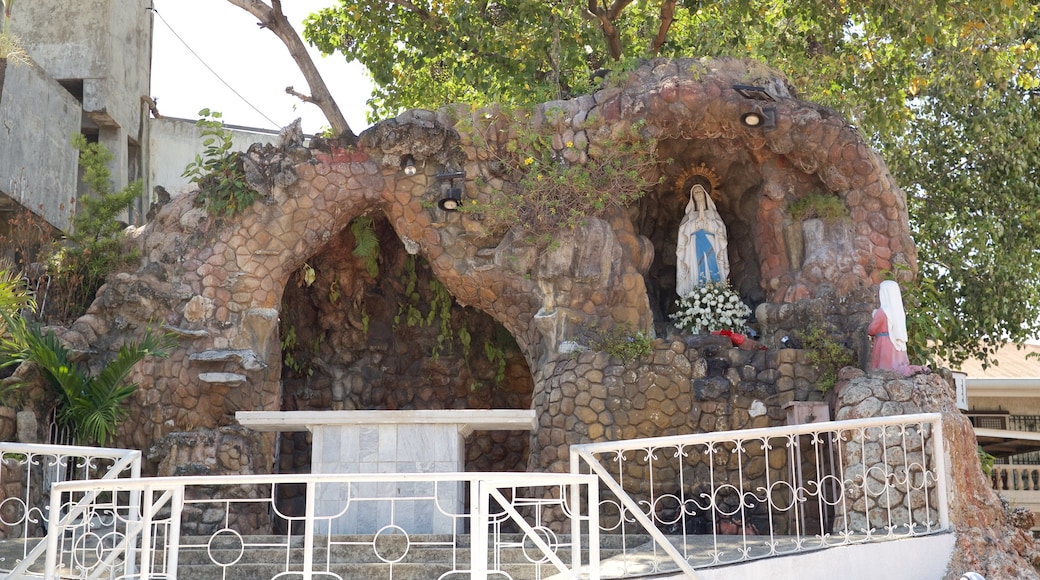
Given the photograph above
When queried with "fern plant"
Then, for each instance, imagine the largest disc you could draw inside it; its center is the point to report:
(92, 407)
(366, 243)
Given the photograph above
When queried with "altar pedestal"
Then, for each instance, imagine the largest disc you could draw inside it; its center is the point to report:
(389, 442)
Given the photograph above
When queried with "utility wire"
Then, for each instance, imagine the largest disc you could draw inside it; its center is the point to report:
(210, 69)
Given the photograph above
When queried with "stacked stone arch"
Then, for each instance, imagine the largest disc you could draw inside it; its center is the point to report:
(218, 282)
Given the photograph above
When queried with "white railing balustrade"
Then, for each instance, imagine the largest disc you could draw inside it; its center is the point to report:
(387, 523)
(1016, 477)
(1019, 486)
(720, 498)
(27, 474)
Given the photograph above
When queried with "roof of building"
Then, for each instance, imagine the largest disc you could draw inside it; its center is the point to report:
(1013, 361)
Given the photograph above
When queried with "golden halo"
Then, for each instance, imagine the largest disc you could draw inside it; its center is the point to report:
(707, 177)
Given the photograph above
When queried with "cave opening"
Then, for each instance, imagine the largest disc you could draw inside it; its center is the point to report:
(366, 326)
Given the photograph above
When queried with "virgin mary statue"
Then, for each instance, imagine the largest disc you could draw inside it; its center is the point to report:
(701, 250)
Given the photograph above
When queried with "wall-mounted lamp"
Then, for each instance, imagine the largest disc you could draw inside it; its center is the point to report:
(408, 165)
(452, 199)
(760, 118)
(453, 196)
(754, 93)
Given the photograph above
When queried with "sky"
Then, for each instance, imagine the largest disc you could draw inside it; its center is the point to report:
(252, 60)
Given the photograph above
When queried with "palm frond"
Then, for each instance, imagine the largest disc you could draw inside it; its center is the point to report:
(91, 406)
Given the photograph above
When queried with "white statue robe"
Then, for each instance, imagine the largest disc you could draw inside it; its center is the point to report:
(701, 254)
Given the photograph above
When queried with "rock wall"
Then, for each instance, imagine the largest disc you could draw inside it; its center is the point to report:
(691, 384)
(219, 282)
(988, 541)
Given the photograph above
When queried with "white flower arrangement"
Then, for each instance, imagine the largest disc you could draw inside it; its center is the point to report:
(711, 306)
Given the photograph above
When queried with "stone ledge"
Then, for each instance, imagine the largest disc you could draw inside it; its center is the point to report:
(222, 378)
(245, 357)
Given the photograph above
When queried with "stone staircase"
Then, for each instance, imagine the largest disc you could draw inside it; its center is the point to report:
(354, 558)
(361, 558)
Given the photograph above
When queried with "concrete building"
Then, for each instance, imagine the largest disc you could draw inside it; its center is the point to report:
(1003, 404)
(90, 73)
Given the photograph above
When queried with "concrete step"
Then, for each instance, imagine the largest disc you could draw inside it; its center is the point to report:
(228, 557)
(357, 555)
(461, 540)
(356, 572)
(354, 557)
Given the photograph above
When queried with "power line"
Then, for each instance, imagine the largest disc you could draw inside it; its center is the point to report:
(210, 69)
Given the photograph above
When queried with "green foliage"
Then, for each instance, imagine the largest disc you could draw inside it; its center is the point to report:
(986, 461)
(223, 189)
(366, 243)
(15, 298)
(818, 205)
(826, 355)
(423, 307)
(551, 188)
(294, 356)
(974, 197)
(623, 343)
(94, 247)
(408, 312)
(927, 317)
(946, 90)
(496, 355)
(616, 73)
(868, 59)
(438, 307)
(91, 406)
(494, 350)
(440, 310)
(459, 51)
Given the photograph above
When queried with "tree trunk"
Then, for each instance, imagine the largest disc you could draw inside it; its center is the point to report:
(272, 18)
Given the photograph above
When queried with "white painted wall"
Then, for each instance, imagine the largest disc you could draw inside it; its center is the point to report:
(173, 143)
(923, 558)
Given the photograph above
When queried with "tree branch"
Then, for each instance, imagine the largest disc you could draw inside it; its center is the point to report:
(272, 18)
(616, 9)
(667, 16)
(425, 15)
(301, 96)
(606, 23)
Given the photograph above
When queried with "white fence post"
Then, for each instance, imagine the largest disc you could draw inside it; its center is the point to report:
(479, 528)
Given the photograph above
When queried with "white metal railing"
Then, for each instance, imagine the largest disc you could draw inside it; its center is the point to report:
(27, 474)
(720, 498)
(389, 522)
